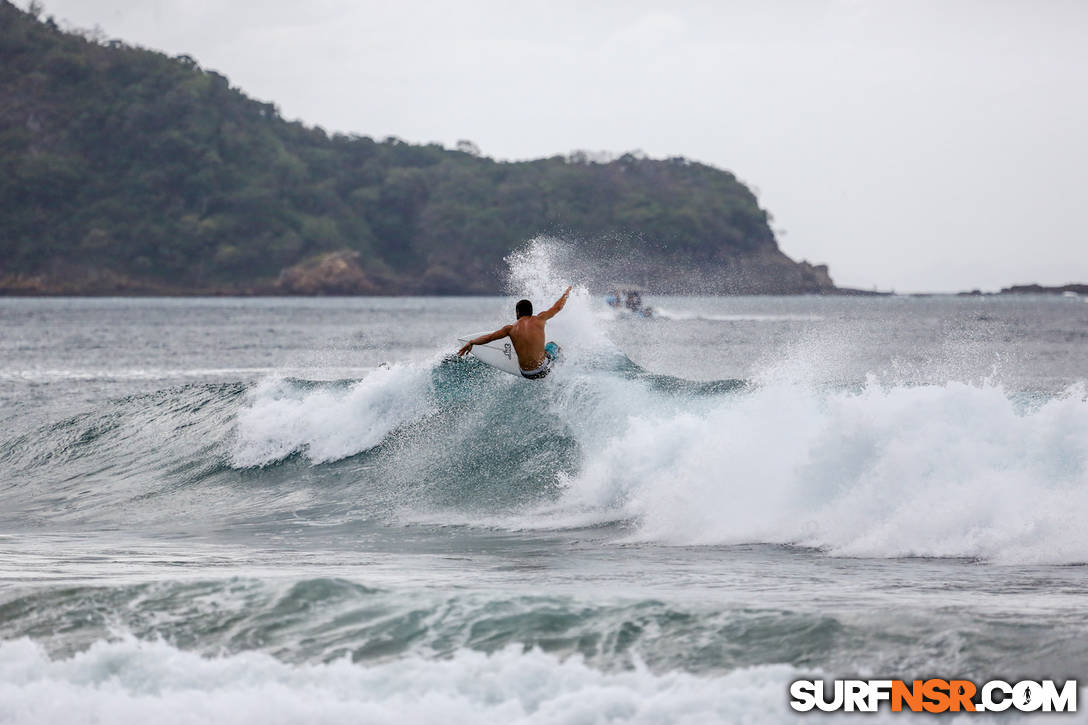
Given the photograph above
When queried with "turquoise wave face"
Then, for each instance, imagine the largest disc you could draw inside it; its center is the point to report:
(854, 471)
(449, 433)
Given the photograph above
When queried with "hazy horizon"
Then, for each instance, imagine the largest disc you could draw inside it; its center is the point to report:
(916, 146)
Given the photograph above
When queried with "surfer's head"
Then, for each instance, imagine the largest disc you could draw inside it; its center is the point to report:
(524, 308)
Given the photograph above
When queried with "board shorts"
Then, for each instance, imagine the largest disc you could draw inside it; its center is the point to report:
(551, 354)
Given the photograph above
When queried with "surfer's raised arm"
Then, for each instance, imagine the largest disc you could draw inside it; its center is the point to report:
(554, 309)
(534, 354)
(484, 339)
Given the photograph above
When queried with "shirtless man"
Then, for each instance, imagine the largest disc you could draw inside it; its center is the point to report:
(534, 357)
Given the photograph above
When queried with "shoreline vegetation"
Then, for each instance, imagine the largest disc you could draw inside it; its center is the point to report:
(126, 171)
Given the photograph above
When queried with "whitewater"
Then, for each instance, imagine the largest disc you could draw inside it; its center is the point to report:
(308, 510)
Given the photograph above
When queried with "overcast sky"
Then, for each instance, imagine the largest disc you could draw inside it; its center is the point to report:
(915, 145)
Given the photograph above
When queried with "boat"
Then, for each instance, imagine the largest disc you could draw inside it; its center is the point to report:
(627, 300)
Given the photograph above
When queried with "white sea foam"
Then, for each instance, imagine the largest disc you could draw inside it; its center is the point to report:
(131, 681)
(327, 424)
(951, 470)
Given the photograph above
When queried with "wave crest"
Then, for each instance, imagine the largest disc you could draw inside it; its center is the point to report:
(332, 422)
(953, 470)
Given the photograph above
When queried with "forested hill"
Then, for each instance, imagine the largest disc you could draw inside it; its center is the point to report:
(125, 170)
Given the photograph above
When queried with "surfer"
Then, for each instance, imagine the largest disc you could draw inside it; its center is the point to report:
(535, 358)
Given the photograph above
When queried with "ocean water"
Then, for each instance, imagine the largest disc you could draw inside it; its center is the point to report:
(306, 510)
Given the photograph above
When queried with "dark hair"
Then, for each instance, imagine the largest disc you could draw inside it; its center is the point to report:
(524, 308)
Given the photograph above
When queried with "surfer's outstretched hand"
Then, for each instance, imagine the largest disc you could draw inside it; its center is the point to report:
(464, 350)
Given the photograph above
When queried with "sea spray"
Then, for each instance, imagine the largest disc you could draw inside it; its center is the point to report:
(541, 271)
(955, 470)
(328, 424)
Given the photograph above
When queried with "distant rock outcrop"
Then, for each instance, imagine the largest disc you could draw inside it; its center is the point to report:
(332, 273)
(1038, 289)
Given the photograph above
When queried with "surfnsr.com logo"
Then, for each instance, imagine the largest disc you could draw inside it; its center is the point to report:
(933, 695)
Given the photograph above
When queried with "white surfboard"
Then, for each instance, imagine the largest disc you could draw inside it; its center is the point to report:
(498, 354)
